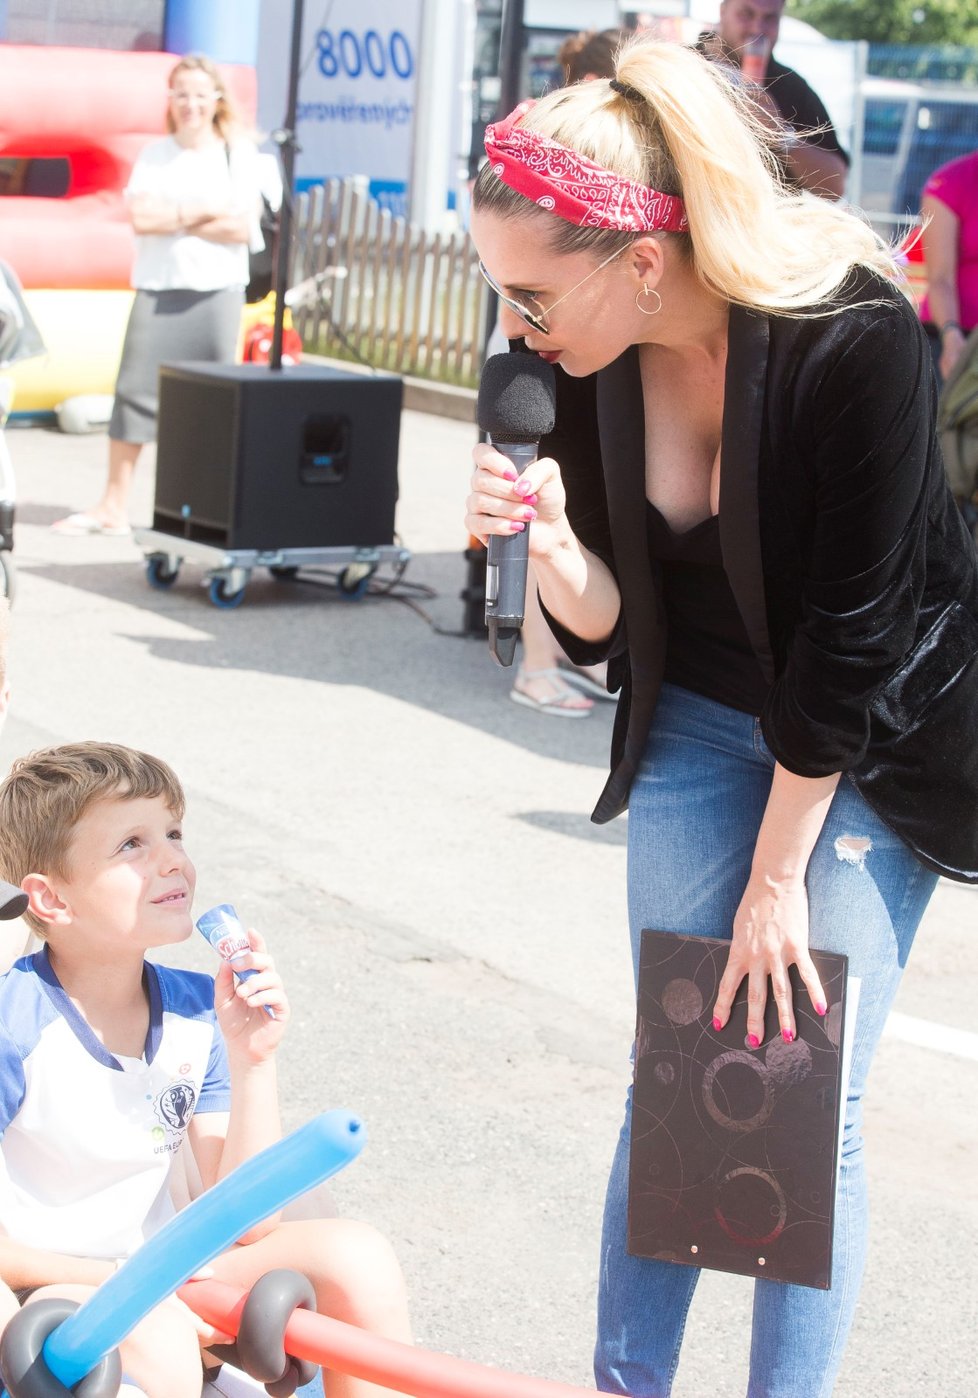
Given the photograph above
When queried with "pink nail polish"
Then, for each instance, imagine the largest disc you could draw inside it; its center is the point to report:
(523, 488)
(821, 1009)
(516, 526)
(788, 1036)
(753, 1040)
(717, 1023)
(510, 476)
(529, 514)
(532, 499)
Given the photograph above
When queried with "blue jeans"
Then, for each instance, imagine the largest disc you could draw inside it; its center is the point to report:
(694, 812)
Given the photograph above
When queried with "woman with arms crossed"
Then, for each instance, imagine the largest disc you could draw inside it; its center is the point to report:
(742, 508)
(194, 198)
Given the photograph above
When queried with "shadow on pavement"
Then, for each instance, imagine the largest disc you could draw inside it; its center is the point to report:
(401, 648)
(576, 824)
(33, 513)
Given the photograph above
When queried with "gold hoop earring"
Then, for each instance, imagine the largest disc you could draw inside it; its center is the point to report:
(649, 291)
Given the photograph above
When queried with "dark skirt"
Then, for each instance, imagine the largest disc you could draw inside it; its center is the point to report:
(166, 327)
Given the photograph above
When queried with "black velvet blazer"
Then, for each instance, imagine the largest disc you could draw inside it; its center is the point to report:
(852, 569)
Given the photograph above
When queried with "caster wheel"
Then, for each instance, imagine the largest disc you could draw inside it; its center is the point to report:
(354, 581)
(284, 573)
(221, 597)
(159, 574)
(8, 576)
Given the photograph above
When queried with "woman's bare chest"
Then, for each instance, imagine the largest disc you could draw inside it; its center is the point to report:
(683, 426)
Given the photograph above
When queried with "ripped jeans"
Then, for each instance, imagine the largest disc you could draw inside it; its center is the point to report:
(694, 812)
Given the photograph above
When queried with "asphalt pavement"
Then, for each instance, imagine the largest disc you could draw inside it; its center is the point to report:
(417, 851)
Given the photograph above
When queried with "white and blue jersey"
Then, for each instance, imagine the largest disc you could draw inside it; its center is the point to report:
(87, 1139)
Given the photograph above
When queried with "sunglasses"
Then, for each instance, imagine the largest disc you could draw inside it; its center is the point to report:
(538, 320)
(185, 99)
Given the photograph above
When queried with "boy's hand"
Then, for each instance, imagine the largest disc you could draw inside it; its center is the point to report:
(207, 1334)
(251, 1035)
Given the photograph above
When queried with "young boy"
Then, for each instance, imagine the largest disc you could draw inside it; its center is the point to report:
(108, 1062)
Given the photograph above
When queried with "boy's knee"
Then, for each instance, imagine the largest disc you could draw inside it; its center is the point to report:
(69, 1291)
(351, 1255)
(167, 1332)
(166, 1326)
(356, 1242)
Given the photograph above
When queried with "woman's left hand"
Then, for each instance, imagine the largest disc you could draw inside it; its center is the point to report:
(770, 934)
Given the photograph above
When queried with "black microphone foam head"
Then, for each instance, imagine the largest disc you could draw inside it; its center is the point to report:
(13, 901)
(517, 398)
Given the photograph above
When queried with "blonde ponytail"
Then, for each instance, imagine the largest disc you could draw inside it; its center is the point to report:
(698, 134)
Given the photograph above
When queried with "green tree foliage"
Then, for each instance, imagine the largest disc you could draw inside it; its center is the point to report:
(892, 21)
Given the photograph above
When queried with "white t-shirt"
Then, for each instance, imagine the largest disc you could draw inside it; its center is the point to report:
(87, 1140)
(181, 261)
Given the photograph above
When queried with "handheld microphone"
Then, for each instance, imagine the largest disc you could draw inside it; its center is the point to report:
(13, 901)
(517, 406)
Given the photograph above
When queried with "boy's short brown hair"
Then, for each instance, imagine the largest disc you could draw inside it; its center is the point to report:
(4, 636)
(45, 795)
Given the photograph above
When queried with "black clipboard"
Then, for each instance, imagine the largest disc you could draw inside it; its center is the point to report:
(734, 1151)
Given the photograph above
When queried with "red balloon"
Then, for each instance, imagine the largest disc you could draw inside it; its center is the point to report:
(92, 110)
(389, 1363)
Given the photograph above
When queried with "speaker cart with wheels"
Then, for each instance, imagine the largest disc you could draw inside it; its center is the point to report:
(280, 471)
(228, 570)
(19, 339)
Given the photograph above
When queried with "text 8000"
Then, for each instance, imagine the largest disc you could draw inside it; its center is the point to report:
(351, 55)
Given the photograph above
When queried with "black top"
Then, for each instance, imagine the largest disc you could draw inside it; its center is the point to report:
(801, 107)
(852, 568)
(799, 104)
(708, 650)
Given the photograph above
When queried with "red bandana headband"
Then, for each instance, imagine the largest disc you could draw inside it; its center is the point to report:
(573, 187)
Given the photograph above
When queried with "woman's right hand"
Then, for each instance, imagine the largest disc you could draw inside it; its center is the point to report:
(505, 503)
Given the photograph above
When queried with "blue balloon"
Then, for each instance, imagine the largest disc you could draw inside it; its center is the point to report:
(199, 1233)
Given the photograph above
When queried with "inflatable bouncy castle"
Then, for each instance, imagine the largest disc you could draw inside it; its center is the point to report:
(72, 122)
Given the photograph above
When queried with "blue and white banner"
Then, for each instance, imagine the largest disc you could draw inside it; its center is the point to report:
(356, 101)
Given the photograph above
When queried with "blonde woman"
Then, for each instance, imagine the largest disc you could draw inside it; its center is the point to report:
(742, 509)
(194, 200)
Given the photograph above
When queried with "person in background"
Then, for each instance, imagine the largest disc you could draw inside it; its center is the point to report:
(590, 54)
(194, 198)
(949, 208)
(747, 33)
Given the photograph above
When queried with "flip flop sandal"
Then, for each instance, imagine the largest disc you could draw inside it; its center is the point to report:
(585, 683)
(76, 525)
(561, 705)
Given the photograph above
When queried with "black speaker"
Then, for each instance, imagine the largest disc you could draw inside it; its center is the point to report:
(302, 457)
